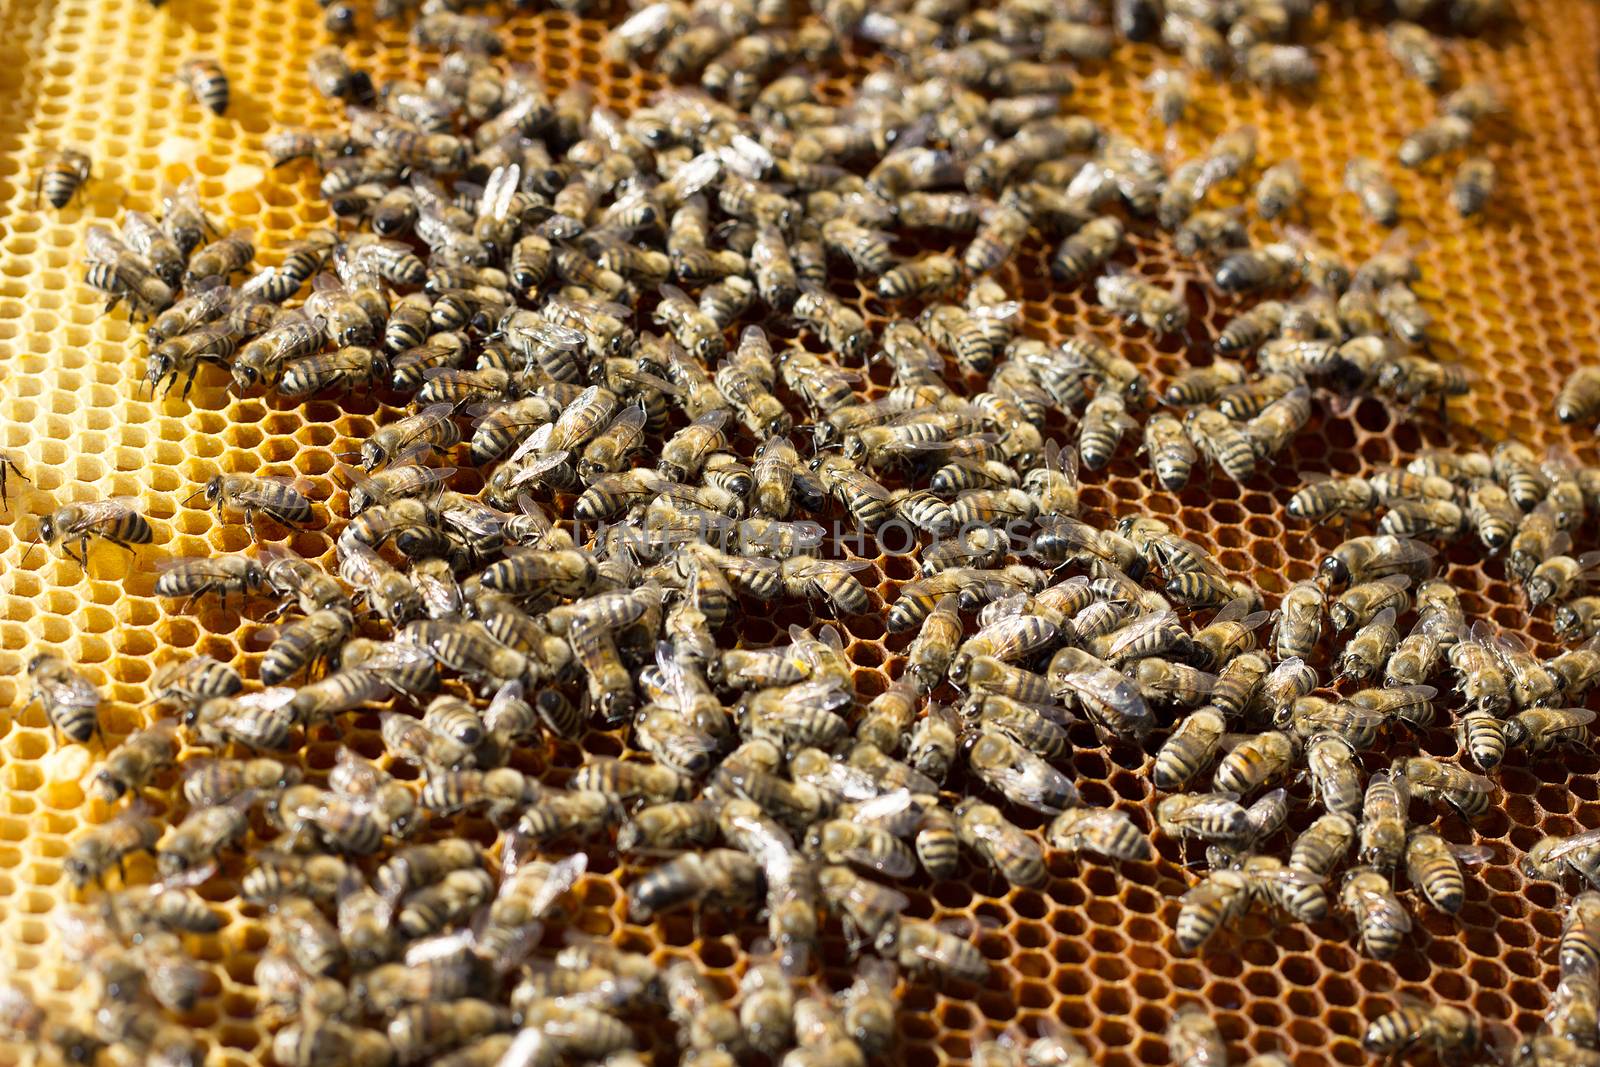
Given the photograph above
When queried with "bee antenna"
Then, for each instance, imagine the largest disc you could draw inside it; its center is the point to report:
(29, 552)
(198, 492)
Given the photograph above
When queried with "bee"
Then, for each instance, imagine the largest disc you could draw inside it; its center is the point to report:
(1087, 249)
(1536, 540)
(1483, 736)
(1210, 816)
(221, 258)
(1383, 819)
(1112, 701)
(1104, 424)
(1445, 134)
(1194, 1038)
(715, 878)
(1018, 774)
(1210, 232)
(431, 427)
(1300, 621)
(1013, 853)
(1161, 311)
(1171, 95)
(1381, 919)
(1469, 794)
(1222, 442)
(63, 176)
(1203, 385)
(1218, 900)
(291, 337)
(1335, 776)
(1279, 189)
(1323, 844)
(1365, 559)
(1409, 321)
(252, 493)
(1106, 831)
(1444, 1028)
(1256, 761)
(1325, 498)
(206, 82)
(105, 846)
(133, 764)
(1368, 649)
(318, 1041)
(840, 328)
(1553, 858)
(203, 833)
(1539, 729)
(1483, 680)
(117, 521)
(924, 949)
(1274, 266)
(1190, 750)
(1554, 578)
(1366, 181)
(927, 276)
(304, 642)
(70, 701)
(1433, 865)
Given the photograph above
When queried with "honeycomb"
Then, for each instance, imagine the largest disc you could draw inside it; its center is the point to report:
(1513, 299)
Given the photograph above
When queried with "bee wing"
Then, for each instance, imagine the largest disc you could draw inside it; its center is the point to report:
(439, 948)
(1234, 611)
(891, 810)
(92, 513)
(823, 695)
(474, 520)
(1471, 855)
(258, 491)
(267, 700)
(1214, 805)
(820, 568)
(1581, 842)
(69, 689)
(395, 658)
(850, 783)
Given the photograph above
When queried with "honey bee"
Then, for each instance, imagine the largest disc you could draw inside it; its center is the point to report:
(1087, 249)
(431, 427)
(1368, 649)
(1383, 819)
(1300, 621)
(1323, 844)
(105, 846)
(867, 909)
(1381, 919)
(70, 701)
(206, 82)
(1539, 729)
(1445, 134)
(1171, 95)
(1483, 680)
(670, 825)
(203, 833)
(1365, 559)
(925, 949)
(1443, 1028)
(133, 764)
(1211, 233)
(1279, 189)
(1469, 794)
(1552, 858)
(715, 878)
(117, 521)
(62, 177)
(1106, 831)
(1222, 442)
(1214, 817)
(1366, 181)
(1203, 385)
(1161, 311)
(1218, 900)
(1433, 865)
(1102, 429)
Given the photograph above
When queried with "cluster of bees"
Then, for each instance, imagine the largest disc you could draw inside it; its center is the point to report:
(560, 296)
